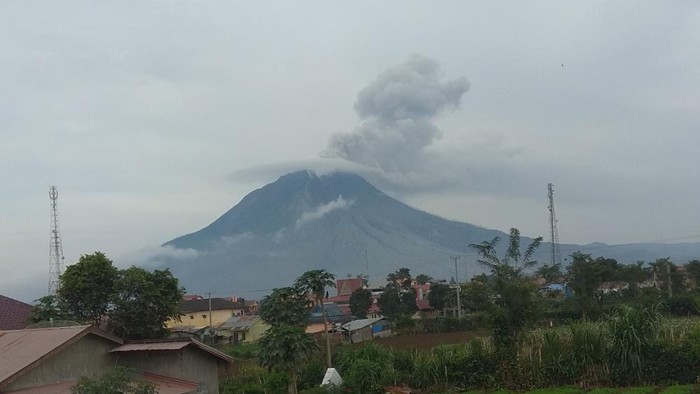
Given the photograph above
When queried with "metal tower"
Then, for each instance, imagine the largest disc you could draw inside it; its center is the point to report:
(556, 254)
(55, 246)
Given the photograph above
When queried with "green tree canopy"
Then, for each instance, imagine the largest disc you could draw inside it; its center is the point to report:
(422, 279)
(284, 348)
(87, 288)
(693, 270)
(316, 282)
(437, 297)
(285, 305)
(134, 303)
(360, 302)
(143, 302)
(119, 380)
(515, 304)
(397, 301)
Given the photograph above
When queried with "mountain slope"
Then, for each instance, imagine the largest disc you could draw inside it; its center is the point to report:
(342, 223)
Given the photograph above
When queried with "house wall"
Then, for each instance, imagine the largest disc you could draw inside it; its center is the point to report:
(361, 335)
(88, 356)
(256, 331)
(201, 318)
(189, 363)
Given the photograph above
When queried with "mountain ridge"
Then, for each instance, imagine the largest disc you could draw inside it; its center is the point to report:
(340, 222)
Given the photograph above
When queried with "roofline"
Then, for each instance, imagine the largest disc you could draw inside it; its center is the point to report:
(84, 332)
(202, 346)
(217, 353)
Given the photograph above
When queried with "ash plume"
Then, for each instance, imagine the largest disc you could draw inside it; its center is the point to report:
(397, 112)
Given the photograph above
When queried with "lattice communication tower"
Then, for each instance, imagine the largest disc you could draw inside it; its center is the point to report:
(554, 233)
(55, 246)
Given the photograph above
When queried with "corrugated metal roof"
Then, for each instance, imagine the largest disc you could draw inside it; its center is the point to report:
(168, 385)
(357, 324)
(239, 322)
(151, 346)
(56, 388)
(20, 349)
(170, 346)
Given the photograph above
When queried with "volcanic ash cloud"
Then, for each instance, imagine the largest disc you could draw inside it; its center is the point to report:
(397, 112)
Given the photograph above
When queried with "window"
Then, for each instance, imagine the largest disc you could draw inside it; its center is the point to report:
(191, 317)
(204, 316)
(242, 336)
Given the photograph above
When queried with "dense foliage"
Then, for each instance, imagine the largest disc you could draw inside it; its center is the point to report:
(360, 302)
(132, 303)
(117, 381)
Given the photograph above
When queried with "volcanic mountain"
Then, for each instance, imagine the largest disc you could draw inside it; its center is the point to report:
(341, 223)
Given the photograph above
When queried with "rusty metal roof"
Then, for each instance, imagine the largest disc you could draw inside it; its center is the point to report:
(168, 385)
(22, 349)
(171, 345)
(151, 346)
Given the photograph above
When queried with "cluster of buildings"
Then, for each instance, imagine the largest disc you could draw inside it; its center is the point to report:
(230, 321)
(50, 360)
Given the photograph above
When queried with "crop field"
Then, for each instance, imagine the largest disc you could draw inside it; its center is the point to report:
(429, 341)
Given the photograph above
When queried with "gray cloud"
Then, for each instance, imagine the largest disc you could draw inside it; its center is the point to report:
(398, 111)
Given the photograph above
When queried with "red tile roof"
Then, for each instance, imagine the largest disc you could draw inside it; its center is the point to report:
(13, 314)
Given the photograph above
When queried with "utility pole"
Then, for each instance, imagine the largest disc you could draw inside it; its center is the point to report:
(455, 258)
(209, 295)
(459, 302)
(668, 276)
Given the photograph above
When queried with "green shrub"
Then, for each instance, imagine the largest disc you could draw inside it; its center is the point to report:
(686, 389)
(604, 390)
(639, 390)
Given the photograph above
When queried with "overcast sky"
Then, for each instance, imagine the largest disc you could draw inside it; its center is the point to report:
(154, 118)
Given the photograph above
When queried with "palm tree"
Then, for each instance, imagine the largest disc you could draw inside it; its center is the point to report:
(316, 282)
(513, 264)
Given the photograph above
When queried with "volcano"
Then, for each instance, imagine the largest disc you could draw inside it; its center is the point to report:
(342, 223)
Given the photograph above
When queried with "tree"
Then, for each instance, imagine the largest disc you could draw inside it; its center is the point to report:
(401, 278)
(316, 282)
(396, 301)
(422, 279)
(117, 381)
(514, 293)
(634, 275)
(693, 271)
(143, 302)
(585, 277)
(87, 288)
(476, 296)
(437, 297)
(284, 306)
(134, 303)
(46, 308)
(667, 271)
(285, 344)
(551, 273)
(284, 347)
(360, 302)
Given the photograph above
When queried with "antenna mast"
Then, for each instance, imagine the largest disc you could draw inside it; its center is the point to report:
(556, 254)
(55, 246)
